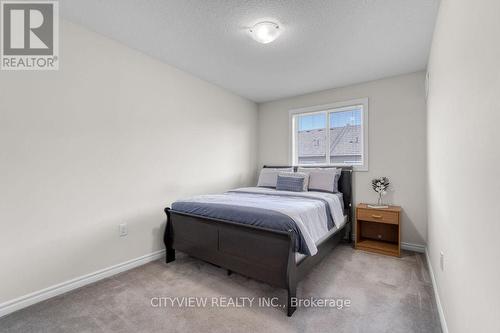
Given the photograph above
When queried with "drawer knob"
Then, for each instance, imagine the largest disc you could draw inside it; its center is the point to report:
(377, 216)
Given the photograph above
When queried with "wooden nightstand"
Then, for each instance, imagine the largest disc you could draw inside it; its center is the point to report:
(378, 230)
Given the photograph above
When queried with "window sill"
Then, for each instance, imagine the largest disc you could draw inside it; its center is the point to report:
(356, 168)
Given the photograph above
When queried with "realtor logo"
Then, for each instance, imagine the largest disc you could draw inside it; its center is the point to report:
(30, 35)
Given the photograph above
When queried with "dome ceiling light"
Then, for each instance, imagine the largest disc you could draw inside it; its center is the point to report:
(265, 32)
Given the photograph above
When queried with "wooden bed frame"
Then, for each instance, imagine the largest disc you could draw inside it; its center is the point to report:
(259, 253)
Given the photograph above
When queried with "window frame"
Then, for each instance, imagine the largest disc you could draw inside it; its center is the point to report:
(328, 108)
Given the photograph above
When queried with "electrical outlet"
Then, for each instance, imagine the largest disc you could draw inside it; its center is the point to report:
(123, 229)
(441, 260)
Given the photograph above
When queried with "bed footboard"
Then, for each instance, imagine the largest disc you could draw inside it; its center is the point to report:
(259, 253)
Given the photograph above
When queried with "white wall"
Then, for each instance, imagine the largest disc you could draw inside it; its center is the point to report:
(463, 161)
(113, 137)
(396, 142)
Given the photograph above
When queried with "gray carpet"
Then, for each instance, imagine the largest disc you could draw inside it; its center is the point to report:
(387, 295)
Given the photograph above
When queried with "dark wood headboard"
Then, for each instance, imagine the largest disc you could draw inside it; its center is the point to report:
(345, 184)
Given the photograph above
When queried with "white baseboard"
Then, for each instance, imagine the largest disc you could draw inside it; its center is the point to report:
(413, 247)
(442, 319)
(61, 288)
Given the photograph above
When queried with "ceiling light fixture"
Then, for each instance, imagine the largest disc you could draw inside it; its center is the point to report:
(265, 32)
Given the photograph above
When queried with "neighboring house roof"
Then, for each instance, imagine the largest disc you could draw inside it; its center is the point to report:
(343, 141)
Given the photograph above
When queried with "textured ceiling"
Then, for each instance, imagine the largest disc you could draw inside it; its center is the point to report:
(325, 43)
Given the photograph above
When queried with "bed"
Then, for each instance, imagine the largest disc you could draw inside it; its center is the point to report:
(254, 237)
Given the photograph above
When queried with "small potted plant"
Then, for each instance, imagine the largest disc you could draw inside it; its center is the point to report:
(380, 186)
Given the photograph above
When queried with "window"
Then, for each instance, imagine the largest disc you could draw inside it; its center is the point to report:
(334, 134)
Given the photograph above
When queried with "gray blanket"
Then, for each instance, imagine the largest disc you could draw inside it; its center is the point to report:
(229, 206)
(259, 217)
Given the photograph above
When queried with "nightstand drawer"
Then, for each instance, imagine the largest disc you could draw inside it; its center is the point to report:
(378, 216)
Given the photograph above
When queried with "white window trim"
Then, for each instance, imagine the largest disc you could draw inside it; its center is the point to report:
(325, 107)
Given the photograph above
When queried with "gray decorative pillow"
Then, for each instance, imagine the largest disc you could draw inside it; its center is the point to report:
(288, 183)
(298, 175)
(269, 176)
(323, 179)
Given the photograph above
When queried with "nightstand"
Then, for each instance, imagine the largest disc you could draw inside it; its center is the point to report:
(378, 230)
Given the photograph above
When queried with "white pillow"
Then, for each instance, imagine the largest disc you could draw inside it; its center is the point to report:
(298, 175)
(322, 179)
(269, 176)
